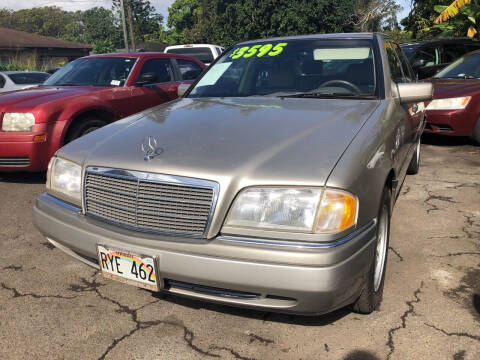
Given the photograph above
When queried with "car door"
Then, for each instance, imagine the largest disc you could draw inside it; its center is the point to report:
(162, 90)
(404, 124)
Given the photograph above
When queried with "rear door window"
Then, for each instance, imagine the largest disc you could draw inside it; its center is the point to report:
(160, 67)
(430, 54)
(2, 81)
(188, 69)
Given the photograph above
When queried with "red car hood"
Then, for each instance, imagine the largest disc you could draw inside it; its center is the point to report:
(28, 99)
(447, 88)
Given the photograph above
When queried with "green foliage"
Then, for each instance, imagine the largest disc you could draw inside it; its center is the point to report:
(420, 19)
(225, 22)
(147, 23)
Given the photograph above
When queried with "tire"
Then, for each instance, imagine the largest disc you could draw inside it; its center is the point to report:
(372, 294)
(415, 162)
(83, 127)
(476, 133)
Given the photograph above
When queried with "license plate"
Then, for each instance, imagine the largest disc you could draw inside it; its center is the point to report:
(128, 267)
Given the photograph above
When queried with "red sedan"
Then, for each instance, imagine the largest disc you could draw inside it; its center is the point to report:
(86, 94)
(455, 108)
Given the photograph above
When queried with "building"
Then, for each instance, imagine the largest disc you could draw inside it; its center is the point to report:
(22, 47)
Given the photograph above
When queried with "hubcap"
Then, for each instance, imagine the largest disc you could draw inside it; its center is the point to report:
(381, 251)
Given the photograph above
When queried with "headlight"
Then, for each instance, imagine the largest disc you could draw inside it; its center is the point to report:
(18, 122)
(457, 103)
(311, 210)
(64, 179)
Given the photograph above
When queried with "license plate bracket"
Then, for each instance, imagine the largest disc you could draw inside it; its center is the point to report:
(129, 267)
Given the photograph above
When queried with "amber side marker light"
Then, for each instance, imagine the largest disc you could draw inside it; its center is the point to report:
(40, 138)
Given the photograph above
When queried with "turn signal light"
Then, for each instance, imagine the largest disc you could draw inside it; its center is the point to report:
(40, 138)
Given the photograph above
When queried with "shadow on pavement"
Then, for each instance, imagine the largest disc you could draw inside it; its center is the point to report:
(320, 320)
(23, 177)
(443, 140)
(476, 303)
(361, 355)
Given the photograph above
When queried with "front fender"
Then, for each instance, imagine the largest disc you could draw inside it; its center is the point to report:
(365, 165)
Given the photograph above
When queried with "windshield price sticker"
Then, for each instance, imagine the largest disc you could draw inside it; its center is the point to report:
(258, 50)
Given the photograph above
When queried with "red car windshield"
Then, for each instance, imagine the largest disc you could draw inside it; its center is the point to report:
(100, 71)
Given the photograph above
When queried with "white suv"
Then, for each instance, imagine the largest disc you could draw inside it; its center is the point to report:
(206, 53)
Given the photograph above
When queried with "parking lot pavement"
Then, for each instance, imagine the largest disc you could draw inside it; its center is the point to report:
(53, 307)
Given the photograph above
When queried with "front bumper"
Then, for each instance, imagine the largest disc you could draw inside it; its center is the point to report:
(299, 279)
(19, 151)
(450, 122)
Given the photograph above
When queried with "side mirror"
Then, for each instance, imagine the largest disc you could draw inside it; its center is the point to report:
(182, 88)
(147, 78)
(415, 92)
(418, 63)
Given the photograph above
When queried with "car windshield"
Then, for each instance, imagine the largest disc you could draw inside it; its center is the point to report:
(96, 71)
(316, 68)
(28, 78)
(204, 54)
(467, 67)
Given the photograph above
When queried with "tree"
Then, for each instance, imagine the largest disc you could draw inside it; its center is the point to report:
(458, 19)
(225, 22)
(421, 17)
(146, 21)
(100, 29)
(376, 15)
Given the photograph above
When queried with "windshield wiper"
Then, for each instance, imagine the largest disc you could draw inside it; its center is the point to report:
(328, 96)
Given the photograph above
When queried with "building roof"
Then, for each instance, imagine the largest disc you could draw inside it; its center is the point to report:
(14, 39)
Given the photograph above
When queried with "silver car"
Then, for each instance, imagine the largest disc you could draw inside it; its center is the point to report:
(18, 80)
(269, 184)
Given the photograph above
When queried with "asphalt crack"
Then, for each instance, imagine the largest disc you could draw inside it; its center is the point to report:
(94, 286)
(396, 253)
(260, 339)
(458, 334)
(235, 354)
(409, 311)
(13, 267)
(17, 294)
(431, 197)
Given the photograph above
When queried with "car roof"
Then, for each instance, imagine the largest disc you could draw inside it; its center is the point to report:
(365, 35)
(133, 55)
(22, 72)
(437, 40)
(189, 46)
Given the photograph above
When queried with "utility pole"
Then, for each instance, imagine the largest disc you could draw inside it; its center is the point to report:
(130, 21)
(124, 24)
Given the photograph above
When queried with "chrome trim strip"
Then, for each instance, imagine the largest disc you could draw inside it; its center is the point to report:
(61, 203)
(298, 245)
(154, 178)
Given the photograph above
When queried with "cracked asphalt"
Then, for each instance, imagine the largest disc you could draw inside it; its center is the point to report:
(53, 307)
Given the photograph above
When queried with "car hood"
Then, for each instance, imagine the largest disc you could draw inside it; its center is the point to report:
(25, 99)
(254, 140)
(446, 88)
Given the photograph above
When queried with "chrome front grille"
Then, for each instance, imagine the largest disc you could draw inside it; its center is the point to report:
(150, 202)
(14, 161)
